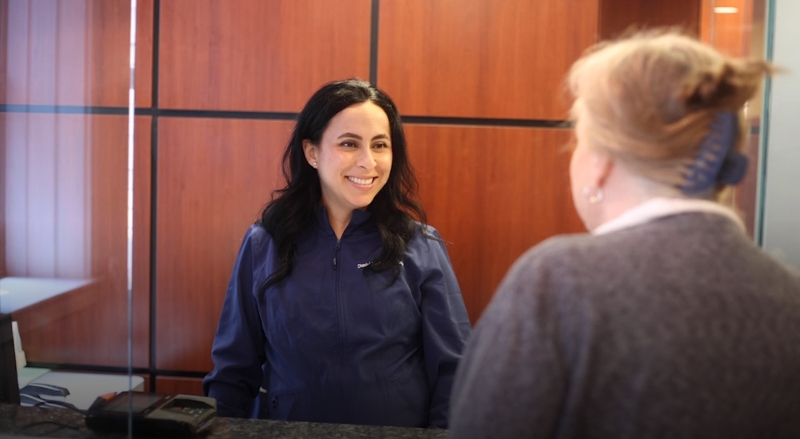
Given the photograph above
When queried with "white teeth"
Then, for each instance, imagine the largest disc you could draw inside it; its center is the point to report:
(360, 180)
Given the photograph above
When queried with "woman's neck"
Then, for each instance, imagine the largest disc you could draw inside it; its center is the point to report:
(339, 221)
(625, 190)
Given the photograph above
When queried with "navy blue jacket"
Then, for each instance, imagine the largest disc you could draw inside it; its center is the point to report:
(334, 342)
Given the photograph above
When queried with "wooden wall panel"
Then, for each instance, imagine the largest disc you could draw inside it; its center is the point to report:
(88, 326)
(617, 16)
(179, 385)
(492, 193)
(141, 247)
(75, 52)
(481, 58)
(729, 33)
(110, 224)
(108, 74)
(259, 55)
(214, 176)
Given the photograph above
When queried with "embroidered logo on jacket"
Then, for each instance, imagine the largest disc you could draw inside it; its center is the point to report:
(367, 264)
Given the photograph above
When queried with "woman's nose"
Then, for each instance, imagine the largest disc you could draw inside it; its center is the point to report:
(366, 159)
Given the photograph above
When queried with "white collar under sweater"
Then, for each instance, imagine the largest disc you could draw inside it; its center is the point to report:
(659, 207)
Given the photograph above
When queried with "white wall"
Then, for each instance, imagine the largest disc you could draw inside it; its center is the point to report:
(781, 215)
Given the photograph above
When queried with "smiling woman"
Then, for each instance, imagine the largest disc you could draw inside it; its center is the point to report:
(343, 306)
(351, 170)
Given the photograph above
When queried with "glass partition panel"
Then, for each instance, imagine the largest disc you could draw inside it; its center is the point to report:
(780, 225)
(73, 231)
(737, 27)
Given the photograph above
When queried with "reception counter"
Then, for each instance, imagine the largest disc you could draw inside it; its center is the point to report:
(64, 423)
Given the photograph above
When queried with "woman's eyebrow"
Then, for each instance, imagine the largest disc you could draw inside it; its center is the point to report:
(356, 136)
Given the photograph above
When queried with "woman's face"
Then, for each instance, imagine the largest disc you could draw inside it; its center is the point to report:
(353, 158)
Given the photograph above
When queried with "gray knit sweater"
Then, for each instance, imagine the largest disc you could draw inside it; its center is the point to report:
(677, 328)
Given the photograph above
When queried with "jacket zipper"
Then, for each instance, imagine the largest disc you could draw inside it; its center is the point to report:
(335, 259)
(342, 334)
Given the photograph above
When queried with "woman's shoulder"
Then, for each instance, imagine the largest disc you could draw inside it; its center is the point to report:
(425, 236)
(426, 247)
(256, 231)
(555, 254)
(257, 236)
(426, 231)
(559, 245)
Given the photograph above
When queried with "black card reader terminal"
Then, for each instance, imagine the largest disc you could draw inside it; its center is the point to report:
(152, 414)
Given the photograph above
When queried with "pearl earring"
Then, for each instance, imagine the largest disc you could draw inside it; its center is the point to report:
(594, 194)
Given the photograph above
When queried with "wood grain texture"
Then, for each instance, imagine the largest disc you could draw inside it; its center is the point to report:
(256, 55)
(730, 33)
(492, 193)
(179, 385)
(110, 225)
(617, 16)
(214, 176)
(482, 58)
(89, 325)
(141, 246)
(75, 52)
(64, 329)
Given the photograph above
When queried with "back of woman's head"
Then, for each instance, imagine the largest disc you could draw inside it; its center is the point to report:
(651, 99)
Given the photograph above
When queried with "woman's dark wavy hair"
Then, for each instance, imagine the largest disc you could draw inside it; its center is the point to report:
(291, 209)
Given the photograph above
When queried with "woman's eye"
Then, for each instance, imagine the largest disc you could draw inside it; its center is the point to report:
(348, 144)
(380, 145)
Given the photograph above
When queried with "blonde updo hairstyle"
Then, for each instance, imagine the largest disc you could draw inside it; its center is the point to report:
(649, 100)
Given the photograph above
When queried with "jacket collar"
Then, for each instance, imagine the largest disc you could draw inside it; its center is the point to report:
(660, 207)
(360, 218)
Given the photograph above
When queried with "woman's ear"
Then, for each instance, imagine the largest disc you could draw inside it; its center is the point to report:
(310, 151)
(602, 164)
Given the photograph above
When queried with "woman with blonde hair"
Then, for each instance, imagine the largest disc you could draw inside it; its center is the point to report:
(665, 320)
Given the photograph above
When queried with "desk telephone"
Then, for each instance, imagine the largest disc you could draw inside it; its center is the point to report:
(153, 415)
